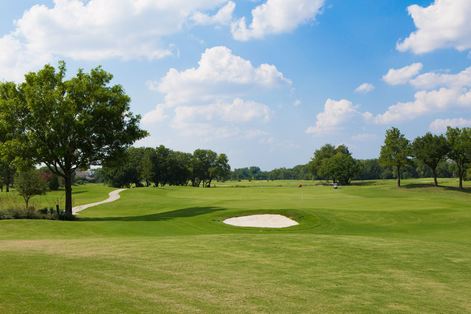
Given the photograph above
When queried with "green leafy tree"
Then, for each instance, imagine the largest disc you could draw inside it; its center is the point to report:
(222, 170)
(395, 152)
(431, 149)
(204, 161)
(334, 163)
(29, 183)
(320, 155)
(460, 150)
(146, 165)
(161, 167)
(75, 123)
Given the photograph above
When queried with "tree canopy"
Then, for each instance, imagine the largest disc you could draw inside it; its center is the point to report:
(431, 149)
(395, 152)
(69, 124)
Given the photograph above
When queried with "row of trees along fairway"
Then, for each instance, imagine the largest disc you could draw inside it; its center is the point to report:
(65, 124)
(430, 149)
(162, 166)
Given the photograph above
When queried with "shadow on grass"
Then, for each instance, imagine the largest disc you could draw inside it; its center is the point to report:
(179, 213)
(431, 185)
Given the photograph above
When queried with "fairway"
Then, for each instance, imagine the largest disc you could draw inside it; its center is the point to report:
(369, 247)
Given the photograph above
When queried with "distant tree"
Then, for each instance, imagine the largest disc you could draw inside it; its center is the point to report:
(460, 150)
(161, 167)
(180, 168)
(369, 169)
(395, 152)
(334, 163)
(29, 183)
(315, 165)
(431, 149)
(146, 165)
(72, 124)
(123, 172)
(222, 169)
(204, 163)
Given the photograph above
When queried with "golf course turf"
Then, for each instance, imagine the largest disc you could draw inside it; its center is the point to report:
(369, 247)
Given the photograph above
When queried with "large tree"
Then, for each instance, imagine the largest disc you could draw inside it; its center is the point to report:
(460, 150)
(431, 149)
(395, 152)
(70, 124)
(334, 163)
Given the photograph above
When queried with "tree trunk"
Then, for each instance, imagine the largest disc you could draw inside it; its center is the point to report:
(461, 171)
(435, 176)
(8, 187)
(68, 194)
(398, 177)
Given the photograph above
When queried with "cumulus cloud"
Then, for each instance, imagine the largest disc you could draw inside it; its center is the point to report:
(364, 88)
(402, 75)
(222, 17)
(211, 99)
(335, 114)
(276, 16)
(219, 71)
(433, 80)
(440, 125)
(437, 92)
(443, 24)
(95, 30)
(425, 102)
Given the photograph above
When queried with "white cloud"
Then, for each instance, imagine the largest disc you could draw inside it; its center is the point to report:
(443, 24)
(335, 114)
(440, 125)
(402, 75)
(219, 70)
(432, 80)
(211, 99)
(276, 16)
(222, 17)
(365, 88)
(425, 102)
(94, 30)
(238, 111)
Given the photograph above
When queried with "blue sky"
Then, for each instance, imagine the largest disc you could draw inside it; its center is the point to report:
(267, 90)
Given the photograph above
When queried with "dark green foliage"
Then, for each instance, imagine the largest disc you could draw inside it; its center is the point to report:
(29, 183)
(395, 152)
(430, 150)
(460, 150)
(334, 163)
(67, 124)
(162, 166)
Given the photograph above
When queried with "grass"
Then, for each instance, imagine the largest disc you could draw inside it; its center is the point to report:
(369, 247)
(83, 194)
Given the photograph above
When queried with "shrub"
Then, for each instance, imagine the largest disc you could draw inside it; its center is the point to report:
(29, 213)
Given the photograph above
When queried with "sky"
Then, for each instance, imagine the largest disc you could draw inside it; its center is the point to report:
(265, 81)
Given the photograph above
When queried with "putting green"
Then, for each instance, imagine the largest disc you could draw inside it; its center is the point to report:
(367, 248)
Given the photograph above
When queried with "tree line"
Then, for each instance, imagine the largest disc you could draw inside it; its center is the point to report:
(446, 155)
(162, 166)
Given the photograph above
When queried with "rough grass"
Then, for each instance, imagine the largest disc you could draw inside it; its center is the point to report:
(364, 248)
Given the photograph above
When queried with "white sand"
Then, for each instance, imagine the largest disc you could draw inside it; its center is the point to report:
(261, 221)
(113, 196)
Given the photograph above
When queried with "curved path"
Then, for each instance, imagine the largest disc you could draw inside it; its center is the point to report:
(112, 196)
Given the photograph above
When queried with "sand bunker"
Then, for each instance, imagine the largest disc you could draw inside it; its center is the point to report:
(261, 221)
